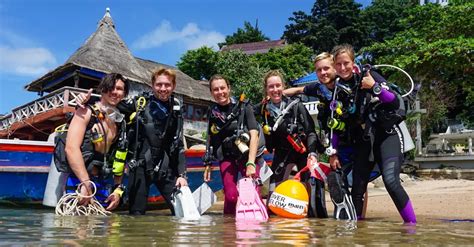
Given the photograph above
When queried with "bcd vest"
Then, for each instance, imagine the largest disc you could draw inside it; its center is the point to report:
(89, 154)
(227, 127)
(159, 137)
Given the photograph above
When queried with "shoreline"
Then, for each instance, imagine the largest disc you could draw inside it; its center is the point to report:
(451, 199)
(445, 199)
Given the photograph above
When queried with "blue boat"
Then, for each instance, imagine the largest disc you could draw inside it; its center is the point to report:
(24, 168)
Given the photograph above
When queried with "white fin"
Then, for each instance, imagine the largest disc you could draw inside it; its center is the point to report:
(204, 198)
(184, 205)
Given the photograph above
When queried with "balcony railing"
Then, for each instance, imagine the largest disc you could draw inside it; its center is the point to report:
(312, 107)
(65, 96)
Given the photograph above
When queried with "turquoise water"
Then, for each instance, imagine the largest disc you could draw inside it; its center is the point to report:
(40, 226)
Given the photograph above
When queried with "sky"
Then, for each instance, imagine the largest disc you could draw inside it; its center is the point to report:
(38, 36)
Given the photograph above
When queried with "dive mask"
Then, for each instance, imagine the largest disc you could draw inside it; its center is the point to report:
(114, 114)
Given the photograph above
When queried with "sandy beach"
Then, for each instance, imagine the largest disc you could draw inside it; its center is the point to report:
(432, 199)
(445, 198)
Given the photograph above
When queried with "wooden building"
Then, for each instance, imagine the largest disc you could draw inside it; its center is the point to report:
(256, 47)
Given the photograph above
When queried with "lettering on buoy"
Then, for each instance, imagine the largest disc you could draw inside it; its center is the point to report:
(290, 199)
(287, 207)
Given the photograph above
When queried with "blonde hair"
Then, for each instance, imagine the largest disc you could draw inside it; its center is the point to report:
(270, 74)
(344, 48)
(322, 56)
(163, 71)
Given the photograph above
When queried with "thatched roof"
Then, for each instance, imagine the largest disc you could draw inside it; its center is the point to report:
(185, 84)
(105, 51)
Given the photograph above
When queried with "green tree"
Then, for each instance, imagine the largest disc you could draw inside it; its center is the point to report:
(246, 35)
(245, 74)
(437, 50)
(331, 22)
(199, 63)
(293, 60)
(383, 17)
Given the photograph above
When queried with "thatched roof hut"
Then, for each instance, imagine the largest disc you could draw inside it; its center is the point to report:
(105, 52)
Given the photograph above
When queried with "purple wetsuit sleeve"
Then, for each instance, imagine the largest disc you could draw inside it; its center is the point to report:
(386, 96)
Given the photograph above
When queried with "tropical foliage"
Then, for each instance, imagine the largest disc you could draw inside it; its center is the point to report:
(330, 23)
(246, 35)
(437, 49)
(199, 63)
(246, 71)
(432, 43)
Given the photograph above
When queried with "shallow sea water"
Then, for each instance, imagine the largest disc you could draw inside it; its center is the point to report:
(42, 227)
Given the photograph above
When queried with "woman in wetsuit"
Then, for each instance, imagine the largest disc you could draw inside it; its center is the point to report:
(290, 134)
(377, 140)
(233, 140)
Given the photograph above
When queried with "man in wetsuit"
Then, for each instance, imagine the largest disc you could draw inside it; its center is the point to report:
(93, 130)
(156, 143)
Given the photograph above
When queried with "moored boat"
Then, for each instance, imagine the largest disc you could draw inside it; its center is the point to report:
(24, 168)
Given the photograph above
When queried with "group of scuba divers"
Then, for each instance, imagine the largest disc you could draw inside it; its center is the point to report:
(358, 110)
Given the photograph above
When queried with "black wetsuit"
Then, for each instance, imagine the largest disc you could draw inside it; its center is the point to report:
(93, 159)
(296, 122)
(160, 152)
(223, 142)
(341, 139)
(324, 96)
(384, 139)
(230, 121)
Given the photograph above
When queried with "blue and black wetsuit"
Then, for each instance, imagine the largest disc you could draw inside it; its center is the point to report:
(380, 142)
(159, 152)
(342, 137)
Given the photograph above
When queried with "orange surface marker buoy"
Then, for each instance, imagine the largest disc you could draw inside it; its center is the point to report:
(290, 200)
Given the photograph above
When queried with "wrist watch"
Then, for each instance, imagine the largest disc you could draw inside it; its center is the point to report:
(376, 89)
(330, 151)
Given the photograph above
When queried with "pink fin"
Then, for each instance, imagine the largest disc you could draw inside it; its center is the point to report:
(249, 205)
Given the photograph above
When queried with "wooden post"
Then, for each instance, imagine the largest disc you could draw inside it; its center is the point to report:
(418, 126)
(76, 80)
(66, 98)
(470, 145)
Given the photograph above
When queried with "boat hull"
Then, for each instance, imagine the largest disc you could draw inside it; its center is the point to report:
(24, 168)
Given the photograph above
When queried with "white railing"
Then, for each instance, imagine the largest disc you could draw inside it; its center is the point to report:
(312, 107)
(65, 96)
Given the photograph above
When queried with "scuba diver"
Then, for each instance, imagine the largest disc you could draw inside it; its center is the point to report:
(290, 134)
(156, 149)
(376, 113)
(154, 141)
(233, 140)
(91, 136)
(332, 118)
